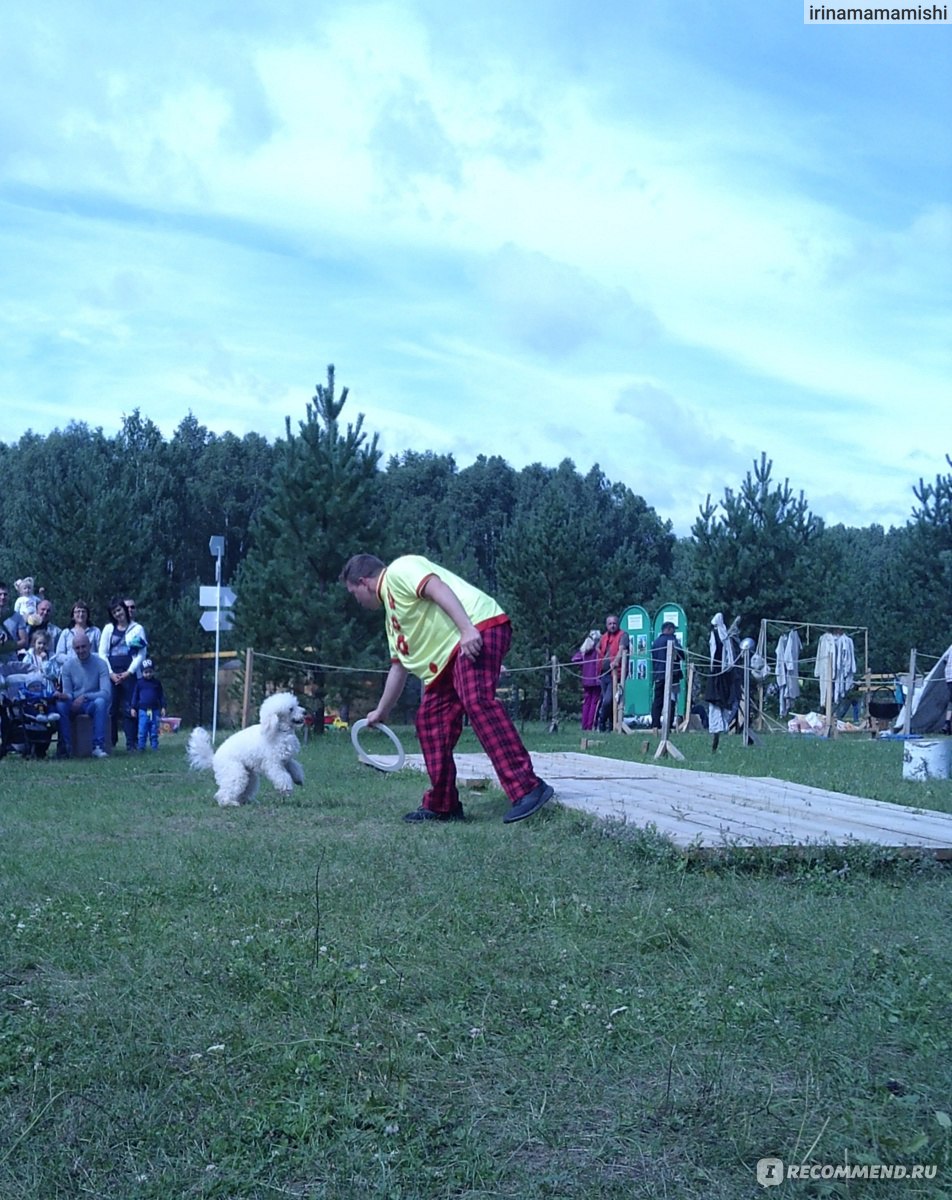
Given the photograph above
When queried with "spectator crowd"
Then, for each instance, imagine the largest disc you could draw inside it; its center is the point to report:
(50, 676)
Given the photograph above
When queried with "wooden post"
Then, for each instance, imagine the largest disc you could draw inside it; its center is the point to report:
(828, 698)
(665, 746)
(907, 709)
(246, 694)
(554, 696)
(689, 692)
(619, 710)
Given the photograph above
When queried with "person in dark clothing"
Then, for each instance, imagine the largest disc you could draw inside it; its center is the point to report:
(147, 705)
(612, 647)
(659, 658)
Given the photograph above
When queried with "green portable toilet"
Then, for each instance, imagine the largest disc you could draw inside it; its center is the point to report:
(676, 615)
(637, 624)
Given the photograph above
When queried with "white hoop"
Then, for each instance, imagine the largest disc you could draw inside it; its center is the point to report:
(382, 764)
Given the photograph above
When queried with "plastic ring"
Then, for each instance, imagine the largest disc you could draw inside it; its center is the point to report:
(382, 764)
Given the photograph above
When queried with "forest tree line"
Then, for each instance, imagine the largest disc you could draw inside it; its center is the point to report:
(91, 516)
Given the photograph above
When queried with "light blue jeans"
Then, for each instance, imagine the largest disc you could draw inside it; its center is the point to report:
(98, 709)
(149, 727)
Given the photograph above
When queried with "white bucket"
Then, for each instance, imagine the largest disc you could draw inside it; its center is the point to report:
(923, 760)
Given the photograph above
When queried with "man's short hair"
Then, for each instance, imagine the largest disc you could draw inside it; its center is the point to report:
(667, 627)
(361, 566)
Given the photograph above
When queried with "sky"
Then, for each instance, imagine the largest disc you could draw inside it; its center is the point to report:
(659, 237)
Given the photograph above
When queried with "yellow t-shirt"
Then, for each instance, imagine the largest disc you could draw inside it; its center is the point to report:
(421, 636)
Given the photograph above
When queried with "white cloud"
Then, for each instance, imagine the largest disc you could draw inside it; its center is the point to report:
(502, 225)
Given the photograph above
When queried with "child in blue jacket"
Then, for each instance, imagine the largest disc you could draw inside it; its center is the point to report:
(148, 704)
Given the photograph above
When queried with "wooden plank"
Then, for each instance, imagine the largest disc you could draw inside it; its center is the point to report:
(739, 819)
(703, 808)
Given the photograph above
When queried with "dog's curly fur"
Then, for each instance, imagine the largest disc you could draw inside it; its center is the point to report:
(267, 749)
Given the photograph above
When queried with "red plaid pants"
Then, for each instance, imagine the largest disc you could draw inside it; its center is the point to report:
(468, 688)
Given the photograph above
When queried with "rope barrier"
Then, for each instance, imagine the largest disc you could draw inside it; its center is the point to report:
(692, 657)
(300, 662)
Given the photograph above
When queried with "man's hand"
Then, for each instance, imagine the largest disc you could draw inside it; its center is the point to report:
(392, 691)
(471, 644)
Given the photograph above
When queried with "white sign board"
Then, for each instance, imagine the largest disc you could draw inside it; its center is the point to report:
(215, 620)
(208, 597)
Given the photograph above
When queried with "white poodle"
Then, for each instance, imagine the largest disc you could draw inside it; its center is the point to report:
(267, 749)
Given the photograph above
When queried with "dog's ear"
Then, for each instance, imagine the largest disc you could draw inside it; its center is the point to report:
(269, 723)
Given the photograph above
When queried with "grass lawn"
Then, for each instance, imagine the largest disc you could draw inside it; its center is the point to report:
(310, 998)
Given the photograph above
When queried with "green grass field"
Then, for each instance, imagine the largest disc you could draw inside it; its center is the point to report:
(310, 998)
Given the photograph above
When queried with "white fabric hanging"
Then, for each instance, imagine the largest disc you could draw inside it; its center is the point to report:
(788, 669)
(825, 668)
(844, 666)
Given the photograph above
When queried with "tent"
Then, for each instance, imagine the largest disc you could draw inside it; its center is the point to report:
(929, 701)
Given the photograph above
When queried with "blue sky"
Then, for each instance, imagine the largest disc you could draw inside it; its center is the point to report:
(659, 237)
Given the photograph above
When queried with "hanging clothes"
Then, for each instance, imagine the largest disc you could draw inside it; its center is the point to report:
(825, 668)
(844, 666)
(788, 669)
(724, 684)
(794, 646)
(782, 675)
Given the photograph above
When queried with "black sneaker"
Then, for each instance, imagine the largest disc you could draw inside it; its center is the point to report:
(541, 794)
(426, 814)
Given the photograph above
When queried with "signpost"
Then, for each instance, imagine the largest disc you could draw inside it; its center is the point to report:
(214, 599)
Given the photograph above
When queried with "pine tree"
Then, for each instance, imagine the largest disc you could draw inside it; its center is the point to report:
(323, 507)
(921, 580)
(750, 559)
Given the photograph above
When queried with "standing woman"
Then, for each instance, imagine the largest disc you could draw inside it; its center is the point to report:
(122, 644)
(79, 619)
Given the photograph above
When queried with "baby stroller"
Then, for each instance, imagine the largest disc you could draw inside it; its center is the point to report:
(28, 718)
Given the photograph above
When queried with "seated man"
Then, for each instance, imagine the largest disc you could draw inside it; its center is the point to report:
(86, 688)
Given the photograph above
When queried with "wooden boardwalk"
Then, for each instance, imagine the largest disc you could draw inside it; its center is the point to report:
(699, 809)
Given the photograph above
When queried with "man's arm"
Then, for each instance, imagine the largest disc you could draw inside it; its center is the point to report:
(105, 684)
(443, 596)
(65, 690)
(624, 645)
(392, 691)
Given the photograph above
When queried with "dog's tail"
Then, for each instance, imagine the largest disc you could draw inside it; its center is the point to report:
(199, 750)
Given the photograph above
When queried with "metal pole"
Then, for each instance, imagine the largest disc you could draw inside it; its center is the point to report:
(910, 693)
(217, 643)
(246, 698)
(746, 646)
